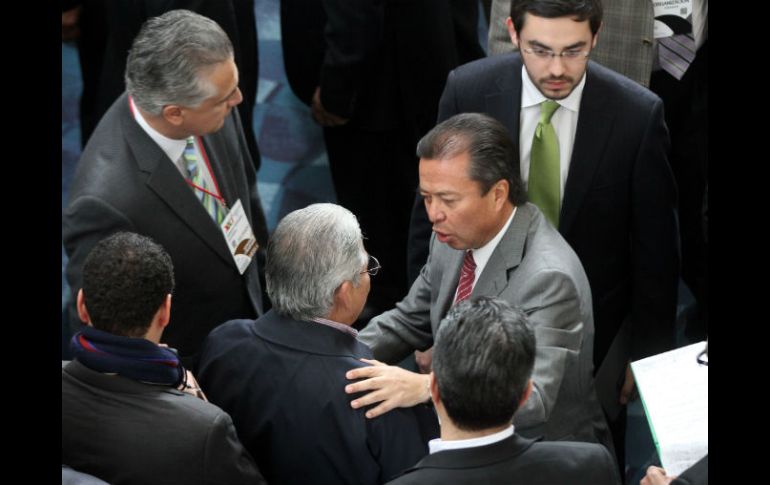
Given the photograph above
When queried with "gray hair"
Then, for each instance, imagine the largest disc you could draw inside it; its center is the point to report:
(493, 155)
(482, 361)
(167, 58)
(311, 253)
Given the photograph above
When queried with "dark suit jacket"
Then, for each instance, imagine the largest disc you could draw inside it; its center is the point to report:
(383, 64)
(127, 432)
(125, 182)
(619, 206)
(516, 460)
(283, 383)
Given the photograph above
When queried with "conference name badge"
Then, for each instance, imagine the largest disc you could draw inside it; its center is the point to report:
(239, 236)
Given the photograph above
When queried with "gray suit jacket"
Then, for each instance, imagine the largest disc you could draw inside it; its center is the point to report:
(625, 40)
(127, 432)
(125, 182)
(532, 268)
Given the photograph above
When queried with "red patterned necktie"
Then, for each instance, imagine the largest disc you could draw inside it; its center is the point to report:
(467, 275)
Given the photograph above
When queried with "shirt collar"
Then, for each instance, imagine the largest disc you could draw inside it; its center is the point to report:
(172, 148)
(482, 254)
(339, 326)
(438, 444)
(531, 96)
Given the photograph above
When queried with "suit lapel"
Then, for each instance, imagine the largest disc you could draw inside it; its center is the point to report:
(165, 180)
(506, 256)
(505, 104)
(594, 125)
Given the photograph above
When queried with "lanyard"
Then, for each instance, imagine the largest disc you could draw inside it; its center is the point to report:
(211, 172)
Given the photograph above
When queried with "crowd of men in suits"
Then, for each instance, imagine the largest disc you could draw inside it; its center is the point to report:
(540, 244)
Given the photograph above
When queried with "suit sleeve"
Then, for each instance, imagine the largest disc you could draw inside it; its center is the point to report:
(655, 243)
(498, 41)
(553, 307)
(353, 29)
(396, 333)
(85, 222)
(225, 459)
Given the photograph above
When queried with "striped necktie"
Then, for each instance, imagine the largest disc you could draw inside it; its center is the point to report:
(467, 275)
(676, 53)
(544, 165)
(209, 202)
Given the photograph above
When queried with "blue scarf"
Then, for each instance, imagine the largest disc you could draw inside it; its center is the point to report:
(134, 358)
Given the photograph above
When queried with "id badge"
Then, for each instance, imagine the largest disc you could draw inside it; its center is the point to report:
(239, 236)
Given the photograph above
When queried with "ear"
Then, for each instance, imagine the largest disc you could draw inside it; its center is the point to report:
(512, 32)
(500, 192)
(173, 114)
(82, 310)
(596, 37)
(340, 310)
(434, 394)
(164, 312)
(527, 392)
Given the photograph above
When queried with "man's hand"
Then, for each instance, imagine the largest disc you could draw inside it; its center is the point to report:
(656, 476)
(628, 391)
(70, 24)
(323, 117)
(391, 386)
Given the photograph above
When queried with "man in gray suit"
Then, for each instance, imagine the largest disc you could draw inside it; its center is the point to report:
(482, 363)
(169, 160)
(125, 417)
(489, 241)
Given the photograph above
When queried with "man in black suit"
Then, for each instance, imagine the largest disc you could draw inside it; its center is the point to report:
(169, 160)
(373, 75)
(482, 362)
(127, 413)
(281, 377)
(614, 196)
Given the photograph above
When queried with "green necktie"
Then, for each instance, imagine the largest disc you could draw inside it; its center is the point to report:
(544, 167)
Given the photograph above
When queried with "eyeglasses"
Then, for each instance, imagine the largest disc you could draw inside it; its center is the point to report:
(567, 56)
(372, 267)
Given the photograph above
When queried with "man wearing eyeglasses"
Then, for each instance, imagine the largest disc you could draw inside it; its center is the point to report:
(281, 376)
(593, 147)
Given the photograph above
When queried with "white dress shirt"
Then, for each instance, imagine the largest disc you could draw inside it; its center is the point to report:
(438, 444)
(564, 121)
(481, 255)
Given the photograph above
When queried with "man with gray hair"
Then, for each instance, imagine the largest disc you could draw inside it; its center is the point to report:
(281, 376)
(169, 160)
(482, 362)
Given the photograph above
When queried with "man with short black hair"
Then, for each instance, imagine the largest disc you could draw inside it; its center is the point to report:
(125, 417)
(489, 241)
(482, 362)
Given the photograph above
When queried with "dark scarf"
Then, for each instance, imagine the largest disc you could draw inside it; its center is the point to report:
(134, 358)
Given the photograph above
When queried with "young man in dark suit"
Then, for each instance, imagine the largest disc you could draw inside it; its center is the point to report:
(127, 413)
(482, 363)
(169, 160)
